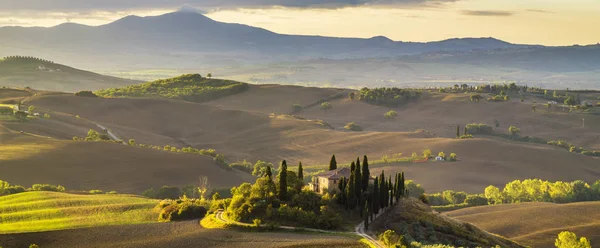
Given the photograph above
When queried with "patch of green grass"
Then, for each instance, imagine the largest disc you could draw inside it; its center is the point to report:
(46, 211)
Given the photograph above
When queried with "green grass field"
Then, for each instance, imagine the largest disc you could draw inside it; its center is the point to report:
(46, 211)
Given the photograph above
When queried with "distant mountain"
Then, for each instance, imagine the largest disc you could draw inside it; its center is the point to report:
(186, 39)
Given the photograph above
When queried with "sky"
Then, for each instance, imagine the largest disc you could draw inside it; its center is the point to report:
(546, 22)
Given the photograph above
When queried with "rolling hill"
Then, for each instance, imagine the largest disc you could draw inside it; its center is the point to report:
(87, 165)
(173, 234)
(48, 211)
(535, 224)
(46, 75)
(241, 127)
(416, 221)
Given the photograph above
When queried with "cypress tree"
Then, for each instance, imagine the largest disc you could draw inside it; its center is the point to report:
(269, 173)
(398, 188)
(402, 185)
(351, 192)
(358, 182)
(300, 177)
(382, 190)
(357, 161)
(352, 167)
(283, 181)
(375, 196)
(457, 131)
(366, 174)
(366, 210)
(332, 163)
(391, 195)
(465, 131)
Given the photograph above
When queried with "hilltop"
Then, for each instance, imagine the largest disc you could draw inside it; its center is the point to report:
(21, 71)
(416, 221)
(535, 224)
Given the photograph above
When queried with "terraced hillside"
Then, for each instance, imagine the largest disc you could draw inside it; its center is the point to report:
(535, 224)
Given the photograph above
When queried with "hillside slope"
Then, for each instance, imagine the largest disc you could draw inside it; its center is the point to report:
(254, 135)
(535, 224)
(48, 211)
(417, 222)
(47, 75)
(174, 234)
(105, 166)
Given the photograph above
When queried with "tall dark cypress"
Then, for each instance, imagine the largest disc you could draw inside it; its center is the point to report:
(332, 163)
(366, 214)
(300, 177)
(366, 174)
(269, 173)
(403, 192)
(357, 161)
(391, 194)
(283, 181)
(352, 167)
(358, 182)
(457, 131)
(375, 196)
(351, 192)
(382, 190)
(397, 188)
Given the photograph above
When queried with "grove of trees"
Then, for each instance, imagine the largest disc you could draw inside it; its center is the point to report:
(390, 97)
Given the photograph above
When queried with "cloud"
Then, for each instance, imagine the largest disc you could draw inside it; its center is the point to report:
(487, 13)
(116, 5)
(540, 11)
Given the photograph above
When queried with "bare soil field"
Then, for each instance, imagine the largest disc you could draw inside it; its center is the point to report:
(253, 135)
(274, 98)
(440, 113)
(174, 234)
(535, 224)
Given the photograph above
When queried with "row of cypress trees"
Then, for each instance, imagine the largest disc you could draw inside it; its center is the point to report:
(357, 192)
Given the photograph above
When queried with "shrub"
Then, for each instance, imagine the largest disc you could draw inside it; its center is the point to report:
(85, 93)
(476, 200)
(296, 108)
(176, 210)
(480, 128)
(468, 136)
(96, 191)
(352, 126)
(568, 239)
(47, 187)
(453, 157)
(326, 106)
(168, 192)
(391, 239)
(391, 114)
(243, 166)
(47, 116)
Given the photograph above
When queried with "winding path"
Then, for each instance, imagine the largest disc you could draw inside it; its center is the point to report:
(112, 135)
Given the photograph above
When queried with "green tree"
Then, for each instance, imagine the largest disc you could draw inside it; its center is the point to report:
(260, 168)
(514, 131)
(375, 196)
(358, 182)
(131, 142)
(570, 101)
(453, 157)
(332, 163)
(442, 154)
(366, 174)
(390, 114)
(427, 153)
(351, 191)
(300, 177)
(568, 239)
(326, 106)
(351, 95)
(283, 181)
(366, 215)
(209, 75)
(493, 195)
(382, 190)
(457, 131)
(31, 109)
